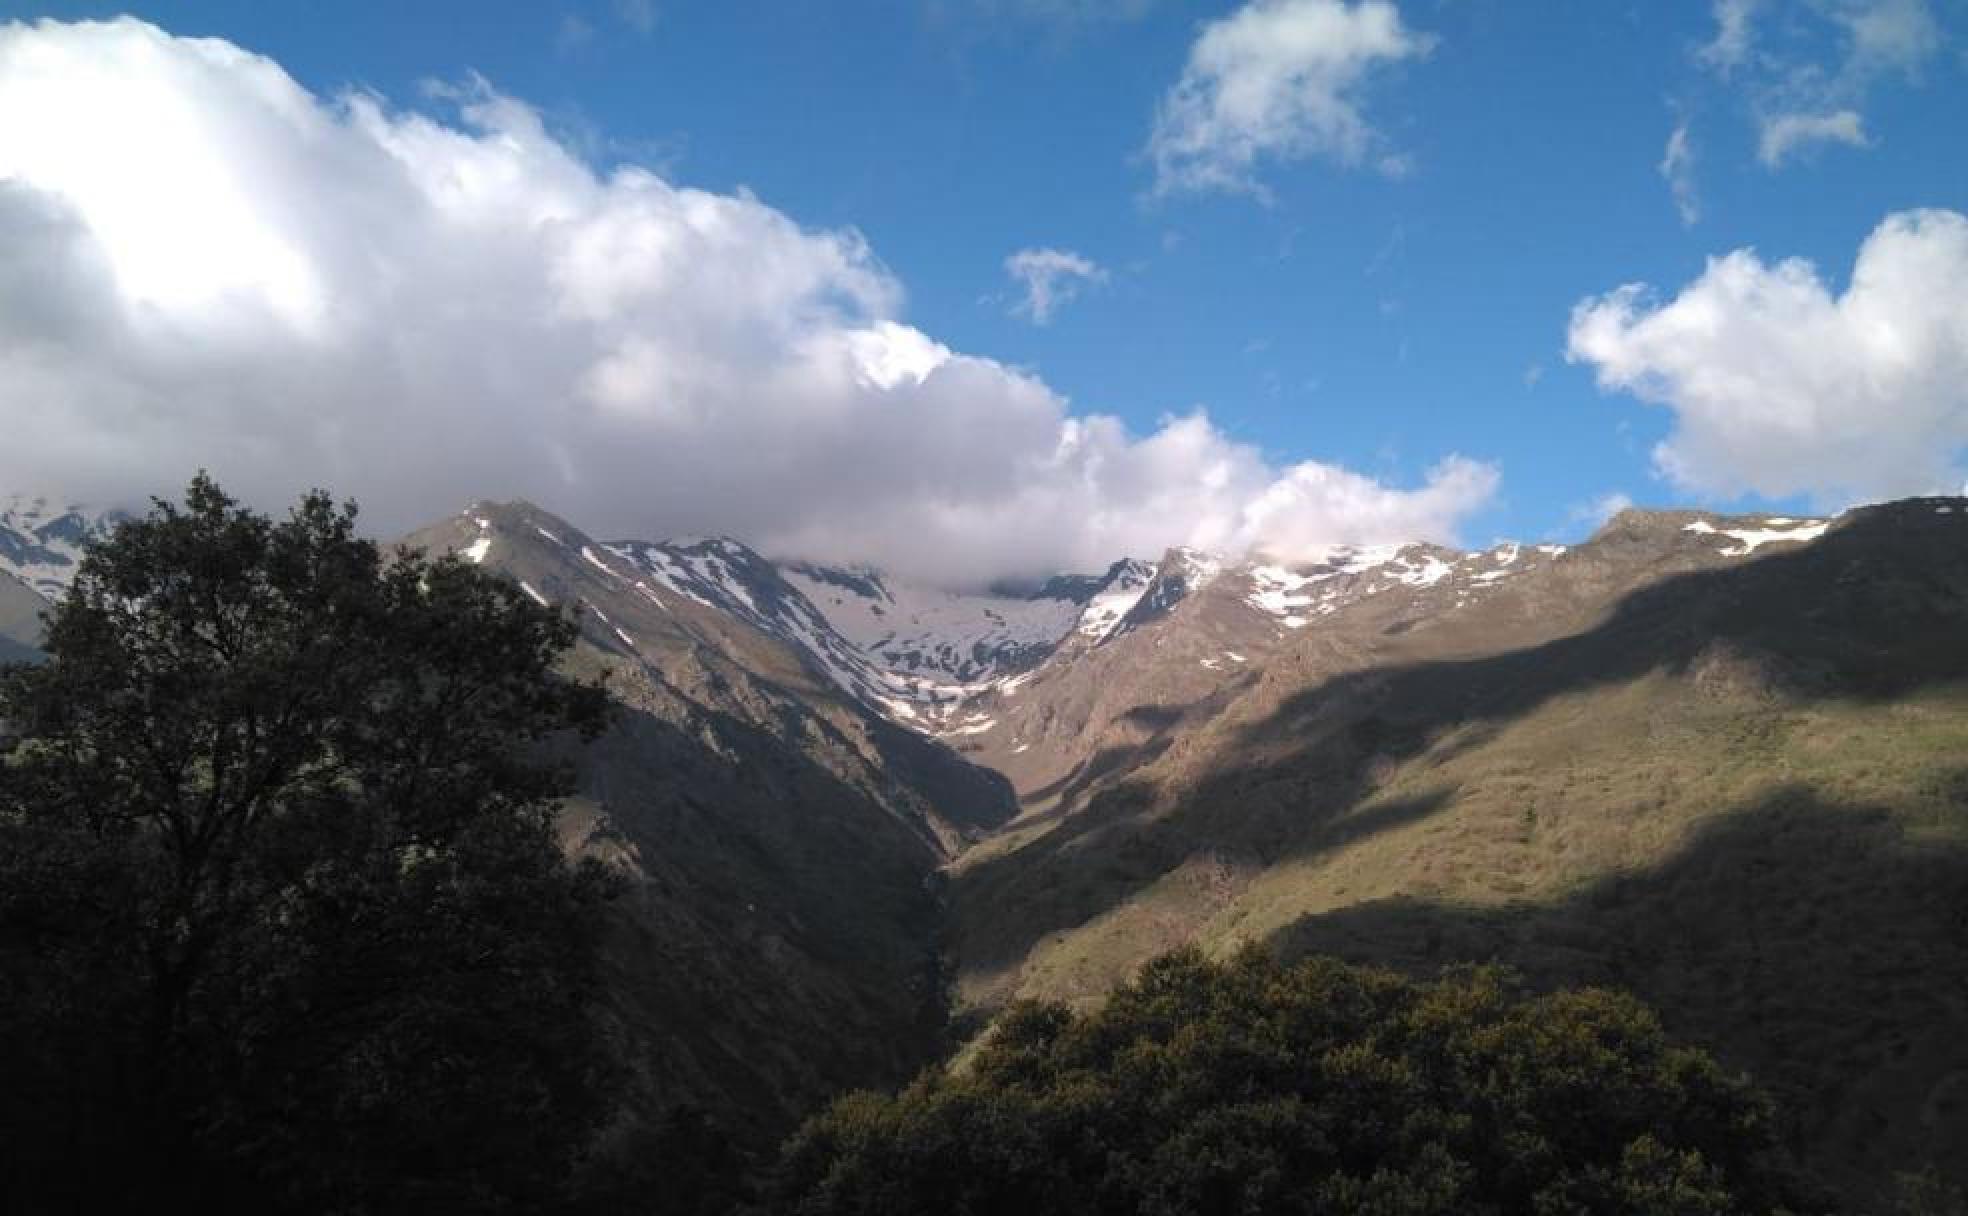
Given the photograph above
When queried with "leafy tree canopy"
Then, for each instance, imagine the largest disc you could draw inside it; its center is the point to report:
(1256, 1087)
(282, 921)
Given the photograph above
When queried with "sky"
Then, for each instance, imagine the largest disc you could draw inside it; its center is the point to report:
(973, 289)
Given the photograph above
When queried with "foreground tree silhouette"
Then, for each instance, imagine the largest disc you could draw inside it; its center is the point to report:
(1255, 1087)
(282, 922)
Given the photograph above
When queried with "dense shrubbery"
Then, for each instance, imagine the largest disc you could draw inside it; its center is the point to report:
(283, 924)
(1256, 1087)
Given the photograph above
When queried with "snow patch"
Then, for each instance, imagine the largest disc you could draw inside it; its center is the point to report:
(1752, 539)
(1010, 687)
(1111, 606)
(1199, 569)
(916, 631)
(1432, 570)
(588, 556)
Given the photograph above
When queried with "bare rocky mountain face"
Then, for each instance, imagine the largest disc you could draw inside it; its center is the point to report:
(20, 619)
(1715, 760)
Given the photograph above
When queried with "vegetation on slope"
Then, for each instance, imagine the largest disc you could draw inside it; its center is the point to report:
(1251, 1086)
(1739, 794)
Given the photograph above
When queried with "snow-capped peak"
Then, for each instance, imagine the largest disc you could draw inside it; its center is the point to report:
(41, 541)
(965, 638)
(1181, 573)
(1126, 581)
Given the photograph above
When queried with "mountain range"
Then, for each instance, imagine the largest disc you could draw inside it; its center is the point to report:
(1717, 760)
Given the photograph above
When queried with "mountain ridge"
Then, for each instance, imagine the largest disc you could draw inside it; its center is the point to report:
(1580, 773)
(1711, 758)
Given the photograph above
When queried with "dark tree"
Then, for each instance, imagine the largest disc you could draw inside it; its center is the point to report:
(1254, 1087)
(283, 925)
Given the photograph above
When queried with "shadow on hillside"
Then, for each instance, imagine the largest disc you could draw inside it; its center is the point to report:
(1104, 764)
(776, 943)
(1812, 944)
(1870, 612)
(1157, 726)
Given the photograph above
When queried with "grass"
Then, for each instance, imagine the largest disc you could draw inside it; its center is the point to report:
(1785, 878)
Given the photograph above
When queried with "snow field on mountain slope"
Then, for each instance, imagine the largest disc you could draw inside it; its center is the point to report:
(1295, 595)
(1114, 601)
(945, 628)
(41, 543)
(1750, 539)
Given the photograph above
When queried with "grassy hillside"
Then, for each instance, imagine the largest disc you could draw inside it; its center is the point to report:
(1741, 791)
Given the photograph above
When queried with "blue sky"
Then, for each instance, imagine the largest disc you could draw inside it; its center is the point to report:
(1324, 308)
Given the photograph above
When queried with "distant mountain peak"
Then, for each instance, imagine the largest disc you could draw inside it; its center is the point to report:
(41, 539)
(921, 654)
(967, 643)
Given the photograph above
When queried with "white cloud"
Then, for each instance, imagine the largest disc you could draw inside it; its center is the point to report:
(1783, 134)
(1733, 35)
(1807, 78)
(1278, 80)
(1888, 35)
(1677, 166)
(1050, 278)
(1779, 386)
(1314, 505)
(638, 15)
(204, 265)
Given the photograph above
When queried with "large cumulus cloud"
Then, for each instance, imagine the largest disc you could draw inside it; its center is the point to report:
(1779, 386)
(204, 264)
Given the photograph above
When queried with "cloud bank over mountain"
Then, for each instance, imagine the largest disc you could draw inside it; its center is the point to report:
(202, 264)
